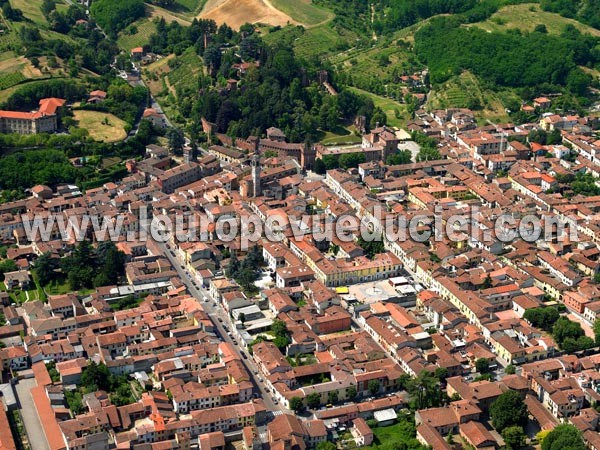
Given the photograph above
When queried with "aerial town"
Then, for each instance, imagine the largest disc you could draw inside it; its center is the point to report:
(203, 343)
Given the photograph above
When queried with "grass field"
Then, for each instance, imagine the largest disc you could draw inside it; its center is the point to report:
(169, 16)
(526, 16)
(303, 11)
(144, 28)
(402, 432)
(109, 162)
(344, 136)
(101, 126)
(138, 33)
(389, 106)
(190, 5)
(31, 10)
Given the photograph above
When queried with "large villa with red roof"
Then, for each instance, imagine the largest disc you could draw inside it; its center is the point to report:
(44, 120)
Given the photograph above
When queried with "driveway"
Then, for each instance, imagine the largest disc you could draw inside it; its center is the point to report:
(31, 420)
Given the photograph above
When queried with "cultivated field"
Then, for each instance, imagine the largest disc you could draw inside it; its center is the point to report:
(465, 91)
(169, 16)
(238, 12)
(101, 126)
(142, 28)
(526, 16)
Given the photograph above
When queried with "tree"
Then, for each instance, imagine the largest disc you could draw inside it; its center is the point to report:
(45, 267)
(296, 404)
(279, 328)
(8, 265)
(351, 160)
(424, 390)
(563, 437)
(540, 28)
(47, 7)
(374, 386)
(508, 410)
(332, 397)
(514, 437)
(510, 370)
(482, 365)
(400, 157)
(96, 377)
(313, 400)
(441, 373)
(320, 167)
(597, 331)
(351, 393)
(487, 282)
(212, 58)
(428, 154)
(564, 329)
(176, 140)
(242, 318)
(234, 266)
(543, 318)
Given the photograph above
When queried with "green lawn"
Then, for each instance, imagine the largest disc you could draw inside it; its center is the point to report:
(303, 11)
(58, 287)
(388, 106)
(400, 435)
(343, 136)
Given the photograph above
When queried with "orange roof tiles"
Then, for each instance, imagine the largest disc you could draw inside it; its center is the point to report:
(52, 431)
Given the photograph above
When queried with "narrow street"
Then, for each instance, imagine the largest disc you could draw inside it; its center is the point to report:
(220, 318)
(31, 419)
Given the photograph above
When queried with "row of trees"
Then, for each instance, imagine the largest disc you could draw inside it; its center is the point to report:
(85, 267)
(568, 334)
(247, 271)
(28, 96)
(345, 161)
(509, 416)
(22, 170)
(281, 336)
(97, 377)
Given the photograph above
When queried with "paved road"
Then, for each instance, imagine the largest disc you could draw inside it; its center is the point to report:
(31, 420)
(216, 312)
